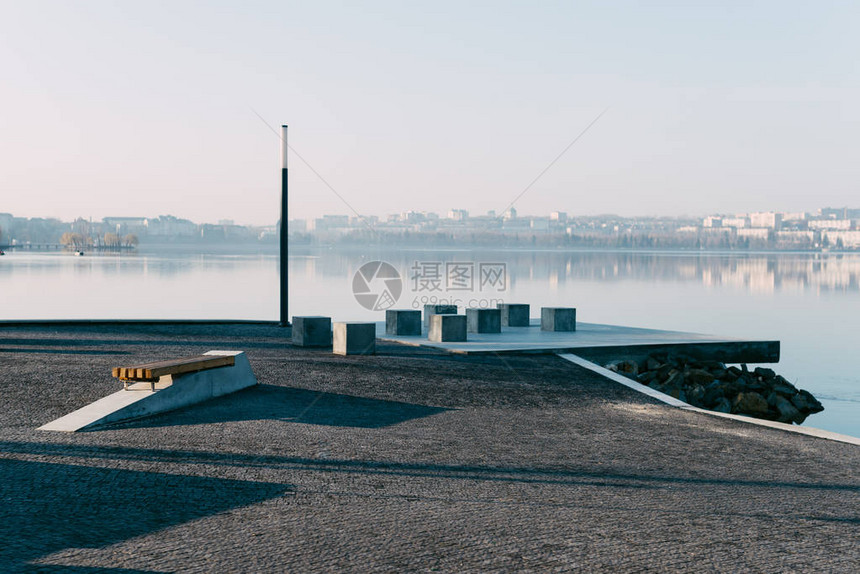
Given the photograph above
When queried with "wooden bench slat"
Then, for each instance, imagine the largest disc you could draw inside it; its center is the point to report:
(156, 369)
(210, 362)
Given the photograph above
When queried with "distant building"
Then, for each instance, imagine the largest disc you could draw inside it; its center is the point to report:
(712, 221)
(511, 213)
(330, 223)
(796, 237)
(831, 224)
(458, 214)
(834, 212)
(170, 226)
(559, 216)
(768, 219)
(125, 225)
(795, 216)
(297, 226)
(736, 222)
(6, 220)
(846, 239)
(539, 224)
(754, 233)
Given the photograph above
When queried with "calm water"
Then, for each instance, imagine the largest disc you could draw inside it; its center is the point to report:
(810, 303)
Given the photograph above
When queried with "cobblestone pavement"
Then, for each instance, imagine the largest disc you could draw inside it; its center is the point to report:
(410, 460)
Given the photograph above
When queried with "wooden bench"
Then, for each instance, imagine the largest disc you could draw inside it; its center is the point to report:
(152, 372)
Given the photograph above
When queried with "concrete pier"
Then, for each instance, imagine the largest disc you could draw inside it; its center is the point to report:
(602, 342)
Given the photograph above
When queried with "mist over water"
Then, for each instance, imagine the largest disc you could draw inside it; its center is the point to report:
(807, 301)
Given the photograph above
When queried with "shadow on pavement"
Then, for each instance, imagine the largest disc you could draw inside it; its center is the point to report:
(50, 507)
(271, 402)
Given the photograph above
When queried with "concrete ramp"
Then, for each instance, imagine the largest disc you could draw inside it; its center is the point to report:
(171, 392)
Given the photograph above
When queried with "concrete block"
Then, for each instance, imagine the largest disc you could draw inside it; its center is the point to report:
(312, 331)
(447, 328)
(404, 322)
(430, 310)
(171, 392)
(354, 339)
(484, 320)
(558, 319)
(514, 314)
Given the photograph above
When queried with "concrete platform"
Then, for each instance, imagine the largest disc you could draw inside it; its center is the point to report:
(602, 342)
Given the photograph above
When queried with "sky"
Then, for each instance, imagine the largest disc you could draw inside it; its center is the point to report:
(151, 108)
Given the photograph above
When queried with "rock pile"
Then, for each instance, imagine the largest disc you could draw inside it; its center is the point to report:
(712, 385)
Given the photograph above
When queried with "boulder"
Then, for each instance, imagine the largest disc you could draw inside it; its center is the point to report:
(664, 371)
(764, 372)
(652, 364)
(713, 366)
(783, 387)
(713, 393)
(676, 379)
(787, 411)
(696, 395)
(806, 403)
(721, 388)
(731, 375)
(698, 377)
(723, 406)
(718, 373)
(750, 403)
(628, 368)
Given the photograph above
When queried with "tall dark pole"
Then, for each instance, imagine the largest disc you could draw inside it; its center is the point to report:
(285, 240)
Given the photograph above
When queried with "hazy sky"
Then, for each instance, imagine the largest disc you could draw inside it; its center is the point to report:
(147, 108)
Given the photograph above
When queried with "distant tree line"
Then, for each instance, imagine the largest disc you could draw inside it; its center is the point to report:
(110, 241)
(622, 239)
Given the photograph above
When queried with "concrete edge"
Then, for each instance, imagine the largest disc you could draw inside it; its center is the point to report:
(672, 401)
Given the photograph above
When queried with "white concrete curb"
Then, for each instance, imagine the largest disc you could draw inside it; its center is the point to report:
(638, 387)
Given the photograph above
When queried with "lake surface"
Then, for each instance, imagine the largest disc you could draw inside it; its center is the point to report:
(810, 302)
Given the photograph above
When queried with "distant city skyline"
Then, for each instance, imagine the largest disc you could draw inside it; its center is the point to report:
(112, 109)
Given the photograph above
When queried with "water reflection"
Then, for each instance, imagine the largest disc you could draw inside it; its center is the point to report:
(753, 273)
